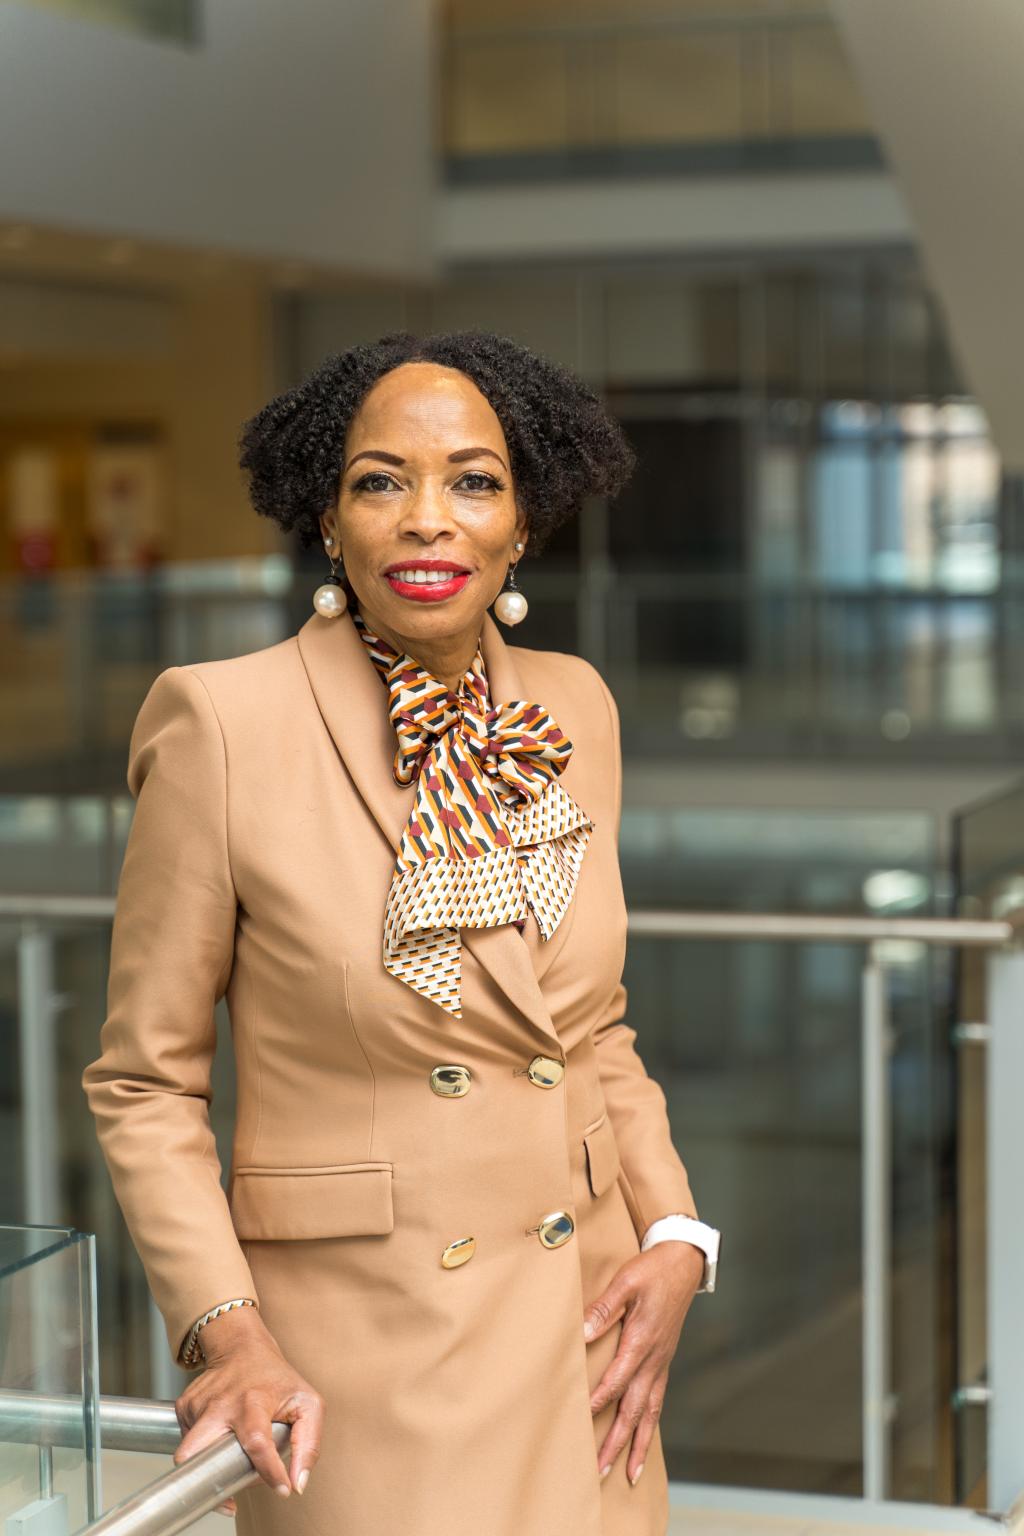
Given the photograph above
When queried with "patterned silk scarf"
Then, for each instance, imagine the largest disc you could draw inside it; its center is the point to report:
(492, 834)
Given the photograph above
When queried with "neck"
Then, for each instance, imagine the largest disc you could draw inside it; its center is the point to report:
(446, 657)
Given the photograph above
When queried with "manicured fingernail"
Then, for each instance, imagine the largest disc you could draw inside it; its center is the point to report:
(303, 1480)
(284, 1489)
(636, 1475)
(606, 1470)
(588, 1328)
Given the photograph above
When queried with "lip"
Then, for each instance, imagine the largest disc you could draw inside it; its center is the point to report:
(424, 591)
(421, 590)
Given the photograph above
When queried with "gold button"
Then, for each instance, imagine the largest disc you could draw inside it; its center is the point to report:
(545, 1071)
(451, 1081)
(458, 1252)
(556, 1229)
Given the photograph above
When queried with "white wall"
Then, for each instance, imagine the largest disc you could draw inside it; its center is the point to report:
(945, 84)
(672, 216)
(296, 128)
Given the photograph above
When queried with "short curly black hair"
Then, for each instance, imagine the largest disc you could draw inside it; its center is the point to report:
(564, 446)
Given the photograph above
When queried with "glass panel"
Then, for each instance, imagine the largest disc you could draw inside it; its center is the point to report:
(49, 1452)
(53, 979)
(91, 643)
(814, 89)
(676, 88)
(988, 876)
(72, 844)
(861, 593)
(759, 1054)
(968, 558)
(645, 83)
(488, 83)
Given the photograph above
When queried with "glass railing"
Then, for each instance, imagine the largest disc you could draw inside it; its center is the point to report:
(48, 1351)
(988, 869)
(806, 1061)
(640, 93)
(833, 1368)
(144, 1496)
(700, 665)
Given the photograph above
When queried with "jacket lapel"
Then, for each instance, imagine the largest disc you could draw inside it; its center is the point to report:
(351, 699)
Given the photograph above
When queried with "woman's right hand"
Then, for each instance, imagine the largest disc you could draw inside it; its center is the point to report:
(245, 1385)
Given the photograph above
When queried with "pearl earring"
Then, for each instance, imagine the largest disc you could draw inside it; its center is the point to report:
(510, 605)
(330, 599)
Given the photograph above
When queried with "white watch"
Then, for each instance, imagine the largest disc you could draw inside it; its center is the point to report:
(688, 1229)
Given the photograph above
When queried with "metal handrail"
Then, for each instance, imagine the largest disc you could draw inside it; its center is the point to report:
(174, 1501)
(799, 927)
(97, 909)
(186, 1493)
(55, 1418)
(842, 928)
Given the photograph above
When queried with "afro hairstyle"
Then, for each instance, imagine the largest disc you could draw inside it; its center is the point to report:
(563, 444)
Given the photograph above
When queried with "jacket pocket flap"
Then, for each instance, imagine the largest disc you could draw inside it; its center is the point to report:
(602, 1155)
(346, 1200)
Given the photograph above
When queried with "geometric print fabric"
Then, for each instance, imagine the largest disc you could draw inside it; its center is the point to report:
(492, 834)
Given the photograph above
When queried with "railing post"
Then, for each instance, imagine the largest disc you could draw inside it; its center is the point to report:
(89, 1329)
(40, 1122)
(876, 1202)
(1005, 1226)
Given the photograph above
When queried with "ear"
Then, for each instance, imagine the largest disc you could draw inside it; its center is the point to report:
(328, 527)
(522, 529)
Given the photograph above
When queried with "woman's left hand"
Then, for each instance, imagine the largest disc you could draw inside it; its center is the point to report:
(654, 1291)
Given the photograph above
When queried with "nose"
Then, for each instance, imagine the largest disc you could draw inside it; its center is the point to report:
(427, 516)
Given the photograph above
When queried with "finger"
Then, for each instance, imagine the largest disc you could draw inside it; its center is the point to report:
(607, 1308)
(185, 1411)
(307, 1431)
(644, 1431)
(229, 1507)
(257, 1441)
(623, 1426)
(619, 1372)
(204, 1432)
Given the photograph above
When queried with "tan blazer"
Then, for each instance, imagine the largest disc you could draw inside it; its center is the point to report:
(265, 832)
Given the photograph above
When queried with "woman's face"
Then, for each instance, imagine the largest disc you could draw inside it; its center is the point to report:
(425, 479)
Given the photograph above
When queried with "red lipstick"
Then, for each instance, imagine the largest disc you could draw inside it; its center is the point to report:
(426, 591)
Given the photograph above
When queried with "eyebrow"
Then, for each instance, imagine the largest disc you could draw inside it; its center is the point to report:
(453, 458)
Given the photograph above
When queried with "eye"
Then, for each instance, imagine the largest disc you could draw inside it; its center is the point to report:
(364, 481)
(485, 482)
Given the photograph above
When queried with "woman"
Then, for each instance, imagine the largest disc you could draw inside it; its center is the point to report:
(391, 840)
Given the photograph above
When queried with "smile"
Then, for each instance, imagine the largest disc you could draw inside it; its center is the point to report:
(426, 586)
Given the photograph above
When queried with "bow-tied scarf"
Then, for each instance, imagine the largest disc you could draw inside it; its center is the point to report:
(492, 834)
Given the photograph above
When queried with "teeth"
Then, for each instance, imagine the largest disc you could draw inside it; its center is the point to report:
(424, 577)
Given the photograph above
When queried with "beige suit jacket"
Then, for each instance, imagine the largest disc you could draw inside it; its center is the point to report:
(265, 833)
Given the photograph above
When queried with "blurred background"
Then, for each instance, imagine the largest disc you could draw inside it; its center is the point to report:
(783, 239)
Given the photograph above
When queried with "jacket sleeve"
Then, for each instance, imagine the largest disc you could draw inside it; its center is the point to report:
(171, 955)
(653, 1177)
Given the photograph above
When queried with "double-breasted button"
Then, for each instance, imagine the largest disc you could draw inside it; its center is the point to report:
(458, 1252)
(545, 1071)
(556, 1229)
(451, 1080)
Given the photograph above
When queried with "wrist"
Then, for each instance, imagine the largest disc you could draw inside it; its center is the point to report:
(687, 1255)
(223, 1333)
(687, 1229)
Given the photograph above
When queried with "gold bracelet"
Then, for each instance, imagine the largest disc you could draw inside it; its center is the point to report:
(192, 1350)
